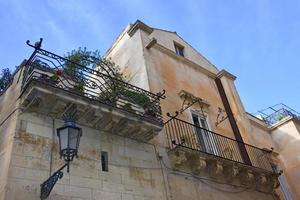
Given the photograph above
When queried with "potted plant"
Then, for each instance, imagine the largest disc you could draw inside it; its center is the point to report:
(128, 107)
(54, 79)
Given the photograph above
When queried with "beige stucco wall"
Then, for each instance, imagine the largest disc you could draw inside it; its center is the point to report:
(287, 140)
(170, 73)
(173, 75)
(167, 39)
(262, 137)
(128, 55)
(9, 110)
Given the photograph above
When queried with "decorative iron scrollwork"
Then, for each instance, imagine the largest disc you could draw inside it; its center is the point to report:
(96, 83)
(48, 185)
(188, 101)
(222, 116)
(161, 94)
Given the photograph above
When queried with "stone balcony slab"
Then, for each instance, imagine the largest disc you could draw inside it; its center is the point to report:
(57, 102)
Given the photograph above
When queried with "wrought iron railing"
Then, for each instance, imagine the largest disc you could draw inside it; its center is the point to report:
(276, 113)
(187, 135)
(96, 82)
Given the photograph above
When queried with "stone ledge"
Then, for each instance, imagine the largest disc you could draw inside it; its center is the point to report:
(56, 103)
(209, 166)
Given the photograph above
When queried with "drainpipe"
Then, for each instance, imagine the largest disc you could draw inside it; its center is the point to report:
(232, 122)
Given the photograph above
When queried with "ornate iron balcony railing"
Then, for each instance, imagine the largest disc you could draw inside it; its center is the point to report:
(185, 134)
(95, 82)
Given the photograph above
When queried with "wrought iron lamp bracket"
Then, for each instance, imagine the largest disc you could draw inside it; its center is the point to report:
(47, 186)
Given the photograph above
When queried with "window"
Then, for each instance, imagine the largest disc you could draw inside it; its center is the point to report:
(179, 49)
(205, 137)
(104, 161)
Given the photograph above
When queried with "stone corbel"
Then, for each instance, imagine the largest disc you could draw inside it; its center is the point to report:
(274, 182)
(178, 158)
(235, 171)
(262, 179)
(201, 165)
(231, 172)
(249, 176)
(217, 168)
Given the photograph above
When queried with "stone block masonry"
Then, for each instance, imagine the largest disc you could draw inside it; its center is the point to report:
(133, 169)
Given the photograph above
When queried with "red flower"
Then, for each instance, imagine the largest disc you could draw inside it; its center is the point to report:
(58, 72)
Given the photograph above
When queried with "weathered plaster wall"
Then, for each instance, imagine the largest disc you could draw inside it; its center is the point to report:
(128, 55)
(167, 39)
(287, 139)
(172, 74)
(261, 134)
(134, 171)
(8, 117)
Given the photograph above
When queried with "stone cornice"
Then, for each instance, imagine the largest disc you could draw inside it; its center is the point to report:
(225, 73)
(139, 25)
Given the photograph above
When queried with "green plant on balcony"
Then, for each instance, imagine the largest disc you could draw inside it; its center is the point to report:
(114, 87)
(5, 79)
(137, 98)
(78, 88)
(279, 118)
(140, 99)
(74, 66)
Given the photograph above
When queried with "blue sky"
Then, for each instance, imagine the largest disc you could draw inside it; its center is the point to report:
(256, 40)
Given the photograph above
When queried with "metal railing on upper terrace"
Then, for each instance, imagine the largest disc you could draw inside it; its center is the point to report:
(96, 81)
(276, 113)
(185, 134)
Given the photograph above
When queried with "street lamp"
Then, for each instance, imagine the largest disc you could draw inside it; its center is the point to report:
(69, 137)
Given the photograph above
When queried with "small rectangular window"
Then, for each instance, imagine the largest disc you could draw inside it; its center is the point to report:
(104, 161)
(179, 49)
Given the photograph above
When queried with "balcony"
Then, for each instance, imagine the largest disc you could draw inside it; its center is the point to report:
(274, 114)
(203, 152)
(93, 96)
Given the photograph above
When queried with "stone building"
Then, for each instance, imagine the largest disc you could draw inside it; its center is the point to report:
(193, 141)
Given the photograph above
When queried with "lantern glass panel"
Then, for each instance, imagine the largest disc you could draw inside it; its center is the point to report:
(63, 137)
(74, 135)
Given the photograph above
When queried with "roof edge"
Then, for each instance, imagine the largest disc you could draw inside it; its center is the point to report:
(227, 74)
(139, 25)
